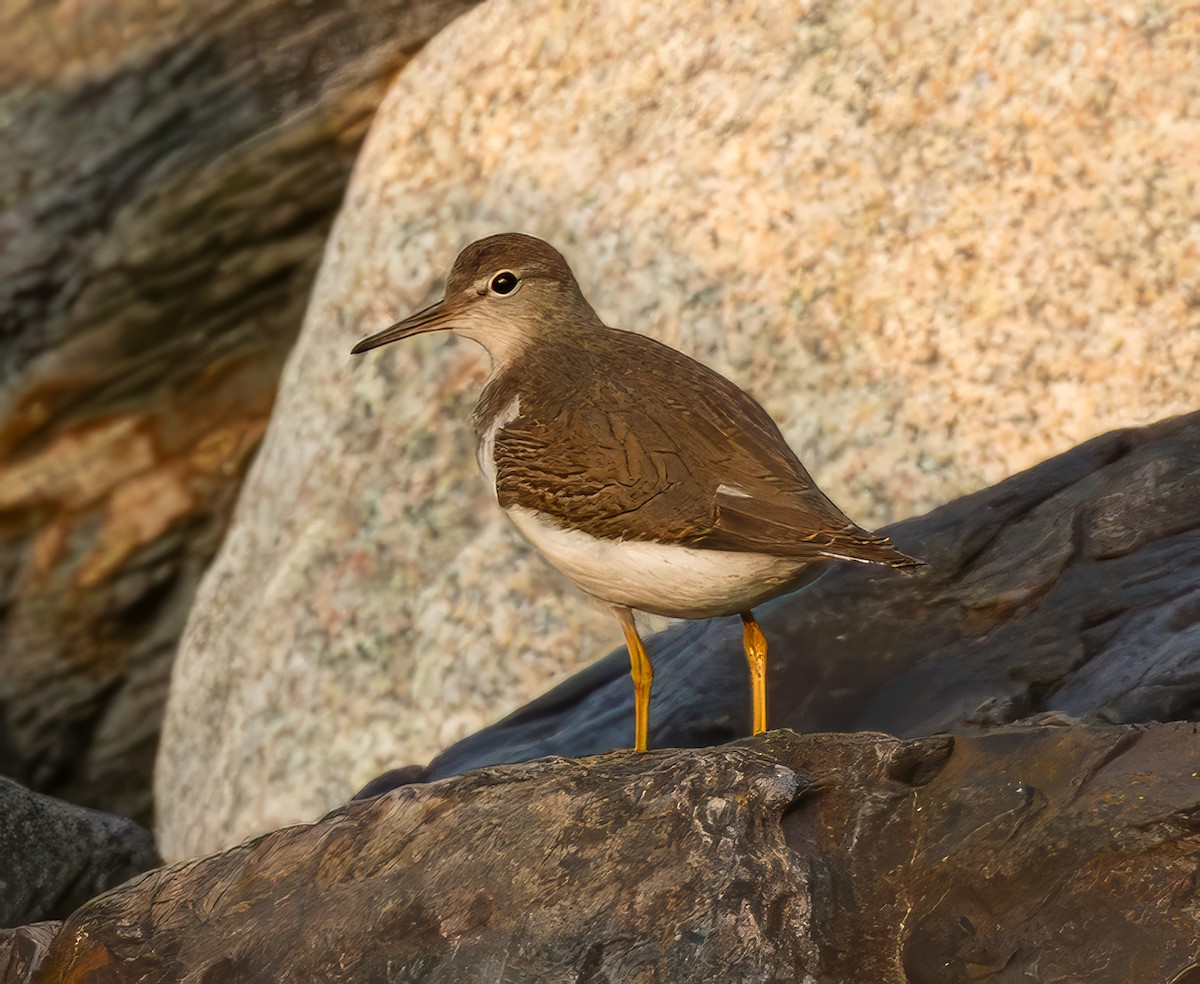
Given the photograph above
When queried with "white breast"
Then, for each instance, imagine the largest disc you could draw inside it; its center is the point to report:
(486, 453)
(665, 579)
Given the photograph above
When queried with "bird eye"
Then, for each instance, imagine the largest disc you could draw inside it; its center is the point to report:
(505, 282)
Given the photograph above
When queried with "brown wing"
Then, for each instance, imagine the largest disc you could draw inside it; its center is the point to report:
(603, 471)
(653, 445)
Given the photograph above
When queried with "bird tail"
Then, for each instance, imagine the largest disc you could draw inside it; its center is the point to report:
(868, 548)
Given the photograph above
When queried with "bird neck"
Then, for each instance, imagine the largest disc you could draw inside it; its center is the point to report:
(545, 376)
(504, 343)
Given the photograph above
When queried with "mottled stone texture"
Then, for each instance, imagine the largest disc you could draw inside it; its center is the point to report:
(940, 244)
(168, 174)
(1050, 854)
(54, 855)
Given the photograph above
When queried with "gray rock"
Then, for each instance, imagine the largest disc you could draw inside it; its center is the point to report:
(54, 856)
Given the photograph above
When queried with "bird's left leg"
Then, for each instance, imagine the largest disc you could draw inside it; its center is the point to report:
(756, 657)
(643, 677)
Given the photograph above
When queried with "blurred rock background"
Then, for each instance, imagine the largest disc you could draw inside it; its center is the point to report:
(168, 175)
(940, 243)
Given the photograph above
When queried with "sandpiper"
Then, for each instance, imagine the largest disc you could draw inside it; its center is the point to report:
(648, 479)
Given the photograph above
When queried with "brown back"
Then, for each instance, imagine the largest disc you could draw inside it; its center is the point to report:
(627, 438)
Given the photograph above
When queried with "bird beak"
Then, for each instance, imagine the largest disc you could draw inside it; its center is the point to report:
(436, 317)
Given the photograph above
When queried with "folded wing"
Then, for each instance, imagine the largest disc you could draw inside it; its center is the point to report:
(637, 460)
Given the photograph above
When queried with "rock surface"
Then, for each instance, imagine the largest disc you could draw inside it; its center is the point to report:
(1070, 590)
(939, 247)
(168, 174)
(54, 856)
(1048, 854)
(23, 949)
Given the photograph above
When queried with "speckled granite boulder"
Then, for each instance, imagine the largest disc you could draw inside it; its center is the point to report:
(938, 247)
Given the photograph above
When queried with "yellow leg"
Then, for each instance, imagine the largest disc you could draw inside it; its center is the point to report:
(643, 676)
(756, 657)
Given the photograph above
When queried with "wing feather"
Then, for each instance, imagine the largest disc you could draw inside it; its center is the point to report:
(670, 450)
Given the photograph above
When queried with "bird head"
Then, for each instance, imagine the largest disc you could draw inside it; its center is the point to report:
(504, 292)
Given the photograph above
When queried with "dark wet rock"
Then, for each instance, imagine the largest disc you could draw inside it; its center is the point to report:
(23, 949)
(1056, 854)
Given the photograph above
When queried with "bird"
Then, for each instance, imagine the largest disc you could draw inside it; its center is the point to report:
(651, 481)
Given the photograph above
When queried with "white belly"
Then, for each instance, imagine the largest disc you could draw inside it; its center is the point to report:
(664, 579)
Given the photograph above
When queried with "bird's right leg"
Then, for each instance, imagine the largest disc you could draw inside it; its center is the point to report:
(643, 676)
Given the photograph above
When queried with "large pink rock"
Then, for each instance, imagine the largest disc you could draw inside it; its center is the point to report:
(938, 246)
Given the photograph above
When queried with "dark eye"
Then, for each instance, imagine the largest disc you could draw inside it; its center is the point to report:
(504, 282)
